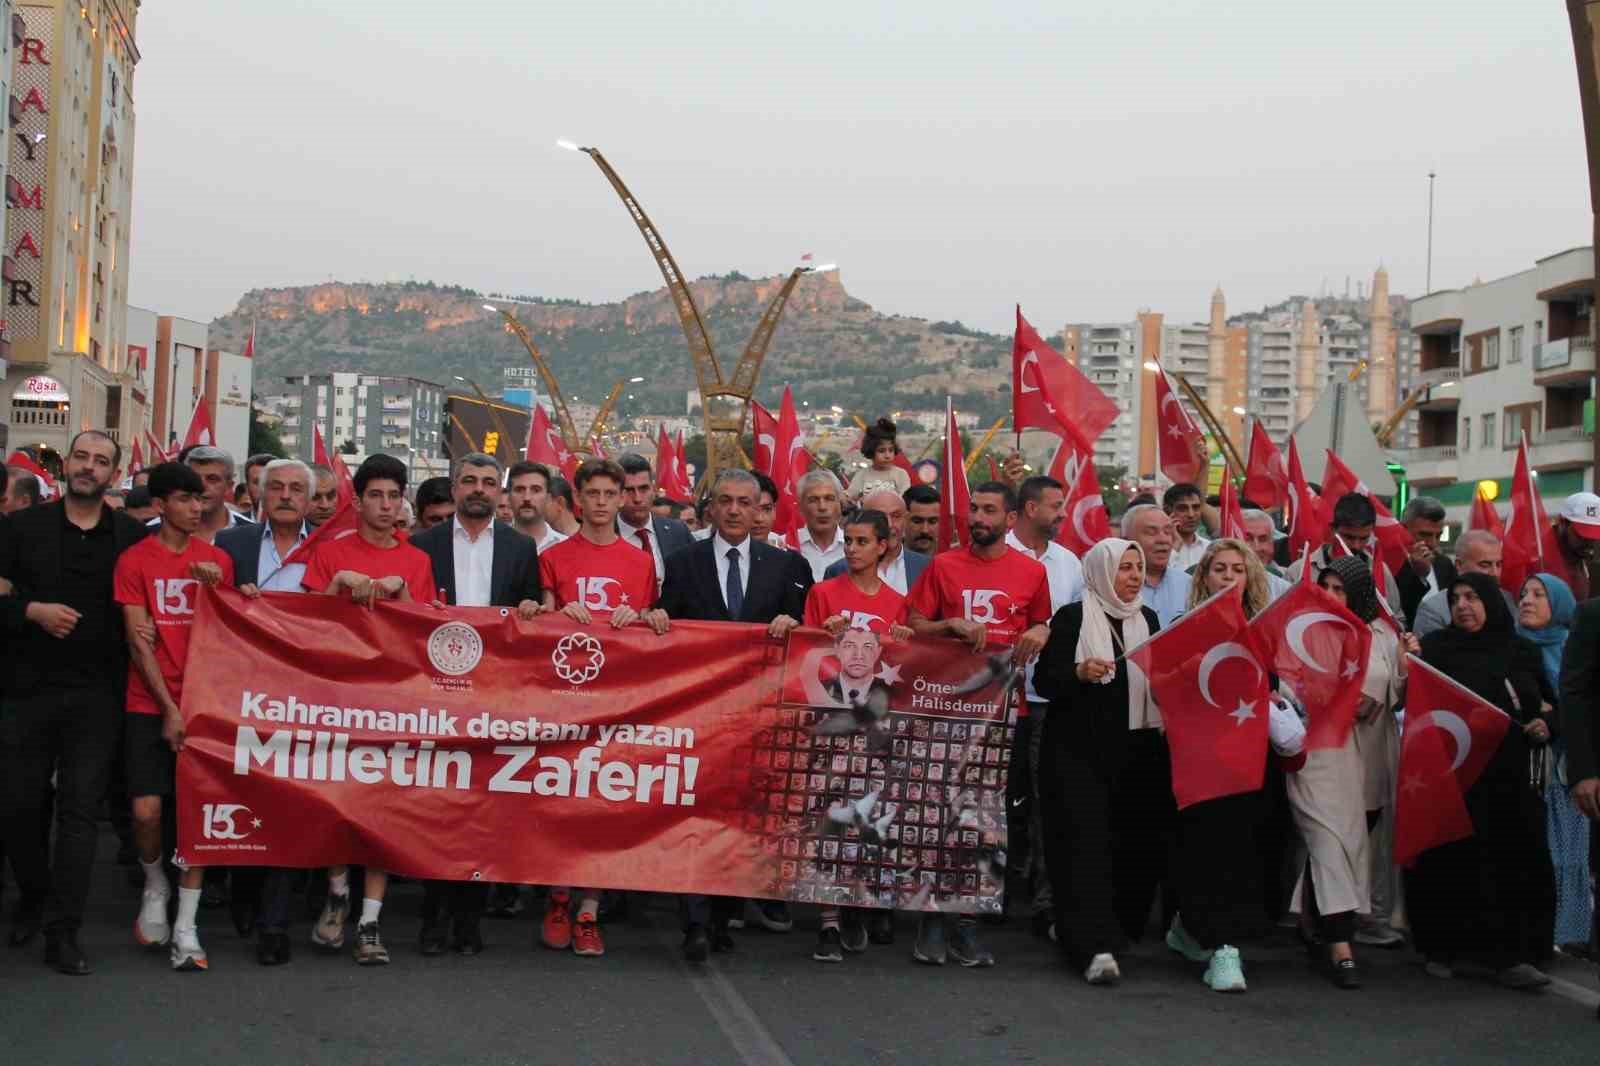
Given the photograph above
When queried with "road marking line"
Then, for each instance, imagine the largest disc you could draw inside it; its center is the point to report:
(733, 1014)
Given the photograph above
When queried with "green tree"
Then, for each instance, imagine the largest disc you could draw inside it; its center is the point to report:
(264, 438)
(1111, 493)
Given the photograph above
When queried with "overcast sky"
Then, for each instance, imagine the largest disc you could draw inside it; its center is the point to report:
(1086, 158)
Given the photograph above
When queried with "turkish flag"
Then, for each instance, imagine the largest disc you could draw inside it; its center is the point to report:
(1311, 641)
(789, 461)
(1085, 523)
(1394, 540)
(1513, 561)
(47, 484)
(250, 342)
(765, 424)
(1303, 519)
(1528, 533)
(200, 431)
(1067, 462)
(1450, 736)
(1485, 516)
(672, 474)
(954, 498)
(1228, 506)
(335, 462)
(135, 458)
(1181, 445)
(1266, 475)
(1049, 393)
(340, 524)
(158, 454)
(1212, 691)
(545, 444)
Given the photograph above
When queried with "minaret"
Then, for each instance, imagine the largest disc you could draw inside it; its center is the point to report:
(1381, 370)
(1306, 349)
(1216, 352)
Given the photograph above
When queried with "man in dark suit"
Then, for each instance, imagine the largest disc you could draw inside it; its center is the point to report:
(639, 525)
(901, 566)
(730, 577)
(1428, 570)
(477, 562)
(1580, 725)
(66, 670)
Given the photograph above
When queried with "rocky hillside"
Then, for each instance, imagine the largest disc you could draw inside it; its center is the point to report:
(833, 348)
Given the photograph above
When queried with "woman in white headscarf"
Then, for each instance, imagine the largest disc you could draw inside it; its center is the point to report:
(1106, 777)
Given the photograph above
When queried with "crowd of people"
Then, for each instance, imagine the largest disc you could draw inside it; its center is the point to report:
(98, 589)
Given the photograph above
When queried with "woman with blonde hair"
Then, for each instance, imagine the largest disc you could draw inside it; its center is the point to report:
(1218, 867)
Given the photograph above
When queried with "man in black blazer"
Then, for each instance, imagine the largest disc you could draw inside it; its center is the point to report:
(283, 494)
(729, 577)
(477, 562)
(661, 537)
(61, 700)
(1428, 570)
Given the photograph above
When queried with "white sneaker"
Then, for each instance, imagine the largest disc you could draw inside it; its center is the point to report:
(1226, 971)
(187, 954)
(151, 928)
(1102, 970)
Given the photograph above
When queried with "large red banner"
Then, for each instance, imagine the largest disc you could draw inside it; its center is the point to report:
(465, 743)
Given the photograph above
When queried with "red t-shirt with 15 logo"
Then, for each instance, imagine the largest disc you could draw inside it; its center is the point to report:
(152, 576)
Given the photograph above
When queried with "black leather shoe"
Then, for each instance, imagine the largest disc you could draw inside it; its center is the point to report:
(243, 912)
(213, 894)
(25, 925)
(435, 936)
(1343, 974)
(61, 950)
(880, 927)
(696, 946)
(468, 937)
(721, 939)
(272, 949)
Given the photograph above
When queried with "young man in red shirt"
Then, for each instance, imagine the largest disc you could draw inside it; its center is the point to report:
(157, 584)
(594, 572)
(368, 563)
(988, 594)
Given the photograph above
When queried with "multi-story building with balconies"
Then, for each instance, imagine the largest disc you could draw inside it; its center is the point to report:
(1501, 360)
(398, 416)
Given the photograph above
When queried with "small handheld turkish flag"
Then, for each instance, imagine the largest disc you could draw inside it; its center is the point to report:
(765, 424)
(1450, 736)
(1311, 641)
(1212, 691)
(200, 431)
(1303, 517)
(1266, 475)
(1394, 540)
(1084, 523)
(1528, 532)
(1228, 506)
(1180, 444)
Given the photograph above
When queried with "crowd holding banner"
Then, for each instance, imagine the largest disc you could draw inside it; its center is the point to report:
(875, 697)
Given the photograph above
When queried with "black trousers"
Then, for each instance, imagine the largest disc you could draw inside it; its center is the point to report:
(1219, 870)
(707, 910)
(75, 733)
(464, 901)
(1107, 835)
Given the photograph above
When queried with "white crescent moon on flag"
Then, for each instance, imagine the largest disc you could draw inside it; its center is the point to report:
(1171, 398)
(1456, 726)
(1022, 373)
(1296, 632)
(1080, 512)
(1215, 657)
(767, 441)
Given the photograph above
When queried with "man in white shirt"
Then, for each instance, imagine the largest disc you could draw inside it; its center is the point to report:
(1185, 505)
(528, 484)
(820, 540)
(1041, 503)
(900, 566)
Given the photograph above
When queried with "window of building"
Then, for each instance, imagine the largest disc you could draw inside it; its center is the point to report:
(1514, 345)
(1466, 434)
(1491, 350)
(1538, 332)
(1488, 430)
(339, 391)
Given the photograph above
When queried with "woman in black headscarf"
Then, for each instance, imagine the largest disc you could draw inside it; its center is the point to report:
(1486, 905)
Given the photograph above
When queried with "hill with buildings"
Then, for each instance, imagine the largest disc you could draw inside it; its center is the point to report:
(834, 348)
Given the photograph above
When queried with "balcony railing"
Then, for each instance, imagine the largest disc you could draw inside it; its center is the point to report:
(1437, 376)
(1432, 454)
(1563, 434)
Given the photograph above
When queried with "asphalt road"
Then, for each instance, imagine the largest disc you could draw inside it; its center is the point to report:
(768, 1004)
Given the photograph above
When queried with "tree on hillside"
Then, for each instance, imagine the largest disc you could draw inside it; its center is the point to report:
(264, 438)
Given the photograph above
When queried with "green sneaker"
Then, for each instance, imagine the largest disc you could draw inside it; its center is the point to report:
(1225, 974)
(1179, 940)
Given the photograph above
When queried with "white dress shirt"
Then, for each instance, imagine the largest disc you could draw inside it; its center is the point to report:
(550, 539)
(630, 533)
(894, 574)
(720, 549)
(1186, 555)
(1064, 574)
(271, 574)
(474, 559)
(820, 556)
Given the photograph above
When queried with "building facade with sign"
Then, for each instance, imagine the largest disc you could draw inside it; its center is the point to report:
(69, 184)
(1505, 359)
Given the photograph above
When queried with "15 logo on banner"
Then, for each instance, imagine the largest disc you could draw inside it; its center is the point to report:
(219, 821)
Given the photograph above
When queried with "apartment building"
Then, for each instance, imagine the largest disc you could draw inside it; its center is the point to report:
(399, 416)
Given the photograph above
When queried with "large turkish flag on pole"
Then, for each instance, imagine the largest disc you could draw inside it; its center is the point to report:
(1266, 476)
(765, 424)
(1180, 444)
(1311, 641)
(1303, 517)
(1450, 736)
(1086, 522)
(200, 431)
(1049, 393)
(1528, 532)
(1212, 691)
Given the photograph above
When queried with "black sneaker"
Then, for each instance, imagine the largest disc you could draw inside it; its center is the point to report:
(369, 949)
(880, 927)
(853, 933)
(828, 947)
(965, 949)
